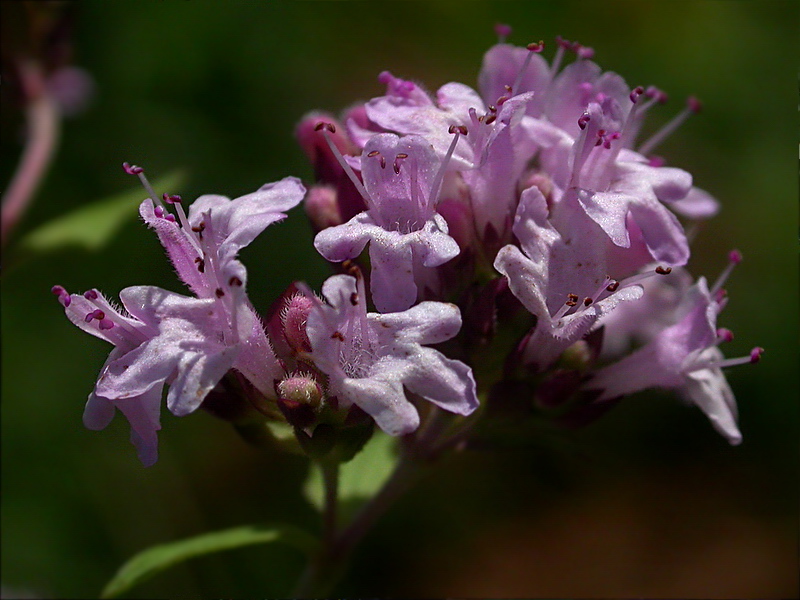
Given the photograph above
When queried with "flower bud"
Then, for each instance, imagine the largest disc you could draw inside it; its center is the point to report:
(294, 318)
(322, 207)
(458, 215)
(577, 357)
(299, 390)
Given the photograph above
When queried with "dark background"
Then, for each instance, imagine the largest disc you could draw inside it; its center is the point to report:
(648, 502)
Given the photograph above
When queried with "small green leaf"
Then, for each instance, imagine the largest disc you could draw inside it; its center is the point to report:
(149, 562)
(360, 478)
(91, 226)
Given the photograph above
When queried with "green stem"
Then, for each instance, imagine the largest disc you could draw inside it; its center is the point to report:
(330, 478)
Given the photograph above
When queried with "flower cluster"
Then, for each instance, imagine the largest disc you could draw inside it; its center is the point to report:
(529, 201)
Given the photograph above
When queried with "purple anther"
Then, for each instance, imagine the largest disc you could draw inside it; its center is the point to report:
(170, 217)
(536, 47)
(90, 295)
(566, 44)
(89, 317)
(132, 169)
(656, 161)
(583, 51)
(171, 198)
(63, 296)
(106, 324)
(735, 257)
(725, 335)
(755, 354)
(693, 104)
(502, 30)
(720, 295)
(657, 94)
(159, 211)
(610, 138)
(583, 120)
(635, 93)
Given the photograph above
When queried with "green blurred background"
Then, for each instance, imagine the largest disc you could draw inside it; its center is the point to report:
(647, 502)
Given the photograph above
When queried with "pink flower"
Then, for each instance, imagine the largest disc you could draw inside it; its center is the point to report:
(160, 338)
(369, 358)
(402, 177)
(203, 247)
(684, 356)
(561, 278)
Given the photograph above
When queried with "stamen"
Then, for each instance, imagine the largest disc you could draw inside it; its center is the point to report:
(63, 296)
(734, 258)
(724, 335)
(139, 172)
(636, 279)
(533, 48)
(457, 131)
(502, 31)
(328, 128)
(175, 200)
(693, 106)
(572, 300)
(582, 148)
(754, 357)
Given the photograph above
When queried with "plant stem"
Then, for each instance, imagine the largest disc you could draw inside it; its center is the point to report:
(330, 478)
(42, 117)
(327, 568)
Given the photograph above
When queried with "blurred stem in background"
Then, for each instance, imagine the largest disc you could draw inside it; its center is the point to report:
(42, 120)
(36, 53)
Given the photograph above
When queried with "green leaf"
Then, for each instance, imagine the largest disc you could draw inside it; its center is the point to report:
(93, 225)
(149, 562)
(360, 478)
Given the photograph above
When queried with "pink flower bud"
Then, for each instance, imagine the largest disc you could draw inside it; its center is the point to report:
(322, 207)
(296, 391)
(294, 318)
